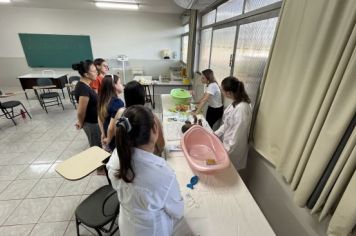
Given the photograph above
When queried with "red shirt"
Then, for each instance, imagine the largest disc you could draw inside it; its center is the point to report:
(96, 84)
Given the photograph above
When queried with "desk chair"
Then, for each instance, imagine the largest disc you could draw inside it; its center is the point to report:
(7, 109)
(148, 96)
(47, 98)
(70, 89)
(99, 209)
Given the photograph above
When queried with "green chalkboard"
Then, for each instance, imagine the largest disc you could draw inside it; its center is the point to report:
(55, 51)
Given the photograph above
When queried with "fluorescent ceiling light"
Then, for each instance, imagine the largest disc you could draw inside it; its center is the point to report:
(118, 1)
(117, 5)
(5, 1)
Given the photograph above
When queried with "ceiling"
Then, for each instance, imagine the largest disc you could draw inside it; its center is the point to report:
(157, 6)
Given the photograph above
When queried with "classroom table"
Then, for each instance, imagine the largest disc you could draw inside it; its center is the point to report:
(28, 81)
(82, 164)
(147, 82)
(10, 94)
(220, 203)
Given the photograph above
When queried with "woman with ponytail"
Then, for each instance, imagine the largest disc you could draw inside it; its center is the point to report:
(108, 105)
(87, 102)
(148, 191)
(236, 121)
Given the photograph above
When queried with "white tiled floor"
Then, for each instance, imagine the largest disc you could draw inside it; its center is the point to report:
(34, 199)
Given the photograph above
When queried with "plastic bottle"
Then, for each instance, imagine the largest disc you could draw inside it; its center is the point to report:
(23, 114)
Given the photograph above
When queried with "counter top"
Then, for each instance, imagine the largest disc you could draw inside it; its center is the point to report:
(40, 75)
(147, 80)
(220, 203)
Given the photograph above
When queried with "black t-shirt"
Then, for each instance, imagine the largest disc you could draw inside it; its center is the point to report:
(81, 89)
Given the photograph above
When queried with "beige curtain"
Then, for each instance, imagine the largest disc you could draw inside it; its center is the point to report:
(309, 98)
(344, 217)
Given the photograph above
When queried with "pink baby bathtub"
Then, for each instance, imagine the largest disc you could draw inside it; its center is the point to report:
(203, 150)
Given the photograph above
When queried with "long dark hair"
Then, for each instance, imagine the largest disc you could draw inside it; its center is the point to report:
(106, 92)
(209, 75)
(82, 67)
(237, 88)
(135, 133)
(134, 94)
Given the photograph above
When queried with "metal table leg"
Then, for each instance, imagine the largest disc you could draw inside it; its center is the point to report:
(153, 96)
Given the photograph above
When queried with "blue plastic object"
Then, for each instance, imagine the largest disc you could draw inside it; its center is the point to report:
(193, 181)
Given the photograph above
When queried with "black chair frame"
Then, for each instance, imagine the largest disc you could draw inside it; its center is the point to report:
(71, 92)
(10, 114)
(48, 94)
(111, 195)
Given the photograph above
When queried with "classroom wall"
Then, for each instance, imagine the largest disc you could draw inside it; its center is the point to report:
(275, 198)
(140, 36)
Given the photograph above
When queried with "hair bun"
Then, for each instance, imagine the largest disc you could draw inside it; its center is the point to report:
(75, 66)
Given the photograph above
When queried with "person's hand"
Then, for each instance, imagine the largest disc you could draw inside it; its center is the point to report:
(102, 139)
(105, 141)
(78, 125)
(192, 92)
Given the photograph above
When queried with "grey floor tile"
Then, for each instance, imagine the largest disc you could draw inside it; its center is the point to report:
(11, 172)
(67, 154)
(16, 230)
(71, 230)
(6, 158)
(4, 184)
(50, 229)
(18, 189)
(6, 208)
(96, 181)
(38, 146)
(16, 137)
(18, 147)
(70, 188)
(48, 157)
(29, 211)
(58, 146)
(51, 173)
(60, 209)
(46, 188)
(25, 158)
(69, 135)
(34, 171)
(31, 137)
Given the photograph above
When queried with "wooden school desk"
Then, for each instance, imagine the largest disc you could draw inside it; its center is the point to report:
(82, 164)
(28, 81)
(220, 203)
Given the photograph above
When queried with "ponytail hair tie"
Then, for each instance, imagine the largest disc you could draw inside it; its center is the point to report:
(124, 122)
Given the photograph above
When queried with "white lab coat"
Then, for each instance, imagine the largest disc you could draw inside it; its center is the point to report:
(151, 204)
(234, 132)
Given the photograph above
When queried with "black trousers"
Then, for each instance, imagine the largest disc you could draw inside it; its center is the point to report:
(214, 114)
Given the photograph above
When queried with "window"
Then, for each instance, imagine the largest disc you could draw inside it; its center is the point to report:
(252, 49)
(184, 43)
(209, 18)
(221, 52)
(205, 44)
(229, 9)
(255, 4)
(184, 54)
(186, 28)
(240, 46)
